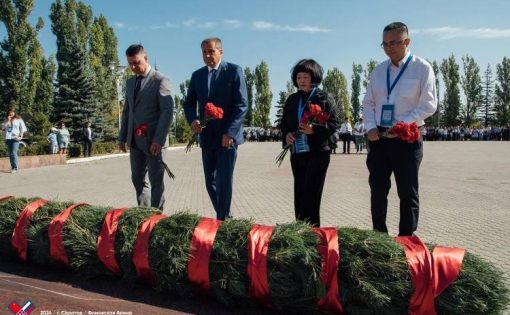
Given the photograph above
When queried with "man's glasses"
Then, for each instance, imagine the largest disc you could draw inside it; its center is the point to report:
(393, 43)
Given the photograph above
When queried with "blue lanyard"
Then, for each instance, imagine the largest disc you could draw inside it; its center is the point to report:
(301, 107)
(390, 87)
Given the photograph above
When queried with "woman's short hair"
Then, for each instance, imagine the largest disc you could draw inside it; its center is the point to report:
(309, 66)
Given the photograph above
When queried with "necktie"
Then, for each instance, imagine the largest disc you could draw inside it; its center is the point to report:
(211, 82)
(138, 84)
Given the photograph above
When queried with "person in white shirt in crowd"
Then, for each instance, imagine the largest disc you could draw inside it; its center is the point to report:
(52, 139)
(401, 89)
(359, 135)
(13, 129)
(345, 135)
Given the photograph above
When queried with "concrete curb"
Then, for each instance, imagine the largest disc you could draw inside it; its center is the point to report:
(110, 156)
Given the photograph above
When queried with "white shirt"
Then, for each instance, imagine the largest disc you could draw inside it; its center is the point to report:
(359, 129)
(14, 130)
(414, 95)
(346, 128)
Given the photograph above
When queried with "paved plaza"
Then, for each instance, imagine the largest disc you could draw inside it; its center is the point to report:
(464, 191)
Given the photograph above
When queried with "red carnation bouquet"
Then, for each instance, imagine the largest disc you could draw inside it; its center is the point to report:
(210, 112)
(314, 115)
(408, 132)
(141, 131)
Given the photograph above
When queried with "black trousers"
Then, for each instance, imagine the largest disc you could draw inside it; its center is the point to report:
(309, 170)
(87, 147)
(403, 159)
(346, 139)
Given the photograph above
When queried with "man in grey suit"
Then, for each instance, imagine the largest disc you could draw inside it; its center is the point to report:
(146, 118)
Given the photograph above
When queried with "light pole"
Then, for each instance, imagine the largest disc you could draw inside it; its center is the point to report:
(117, 71)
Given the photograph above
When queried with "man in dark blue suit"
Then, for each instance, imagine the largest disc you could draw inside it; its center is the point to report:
(223, 84)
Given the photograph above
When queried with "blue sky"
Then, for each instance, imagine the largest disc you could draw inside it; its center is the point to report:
(335, 33)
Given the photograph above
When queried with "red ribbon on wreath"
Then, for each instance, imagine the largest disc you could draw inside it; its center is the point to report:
(329, 250)
(57, 250)
(106, 240)
(430, 274)
(19, 235)
(258, 244)
(200, 252)
(141, 249)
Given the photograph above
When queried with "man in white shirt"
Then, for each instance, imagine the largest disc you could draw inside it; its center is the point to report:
(400, 89)
(345, 135)
(359, 134)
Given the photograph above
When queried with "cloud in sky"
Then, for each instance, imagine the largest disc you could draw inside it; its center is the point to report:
(447, 32)
(269, 26)
(196, 24)
(232, 24)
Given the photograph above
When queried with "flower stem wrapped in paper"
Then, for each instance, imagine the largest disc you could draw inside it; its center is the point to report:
(409, 132)
(210, 112)
(141, 132)
(314, 115)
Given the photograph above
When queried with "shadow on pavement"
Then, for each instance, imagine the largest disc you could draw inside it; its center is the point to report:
(60, 292)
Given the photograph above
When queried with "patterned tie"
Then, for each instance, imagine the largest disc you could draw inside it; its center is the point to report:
(138, 84)
(213, 79)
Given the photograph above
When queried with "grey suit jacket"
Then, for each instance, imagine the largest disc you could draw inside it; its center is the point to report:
(153, 105)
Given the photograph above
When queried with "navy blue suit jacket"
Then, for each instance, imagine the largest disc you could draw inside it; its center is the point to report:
(228, 92)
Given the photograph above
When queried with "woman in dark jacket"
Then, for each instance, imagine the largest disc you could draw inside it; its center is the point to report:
(310, 151)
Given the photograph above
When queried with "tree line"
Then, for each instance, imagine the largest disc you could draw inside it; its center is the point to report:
(76, 85)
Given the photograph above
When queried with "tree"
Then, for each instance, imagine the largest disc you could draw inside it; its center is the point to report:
(182, 129)
(249, 77)
(21, 57)
(502, 106)
(371, 64)
(75, 101)
(44, 96)
(283, 95)
(335, 84)
(472, 86)
(102, 53)
(435, 120)
(263, 96)
(488, 96)
(451, 78)
(86, 46)
(357, 70)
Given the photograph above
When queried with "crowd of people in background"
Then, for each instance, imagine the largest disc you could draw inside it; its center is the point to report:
(259, 134)
(356, 134)
(463, 133)
(14, 132)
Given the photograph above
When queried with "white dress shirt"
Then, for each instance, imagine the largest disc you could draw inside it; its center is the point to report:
(414, 95)
(346, 128)
(359, 129)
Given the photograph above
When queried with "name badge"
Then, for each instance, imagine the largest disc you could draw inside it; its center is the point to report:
(387, 114)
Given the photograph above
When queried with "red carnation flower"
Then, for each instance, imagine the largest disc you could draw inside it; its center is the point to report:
(213, 112)
(210, 112)
(141, 130)
(314, 109)
(407, 132)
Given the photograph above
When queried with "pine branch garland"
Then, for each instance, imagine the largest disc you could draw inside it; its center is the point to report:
(373, 275)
